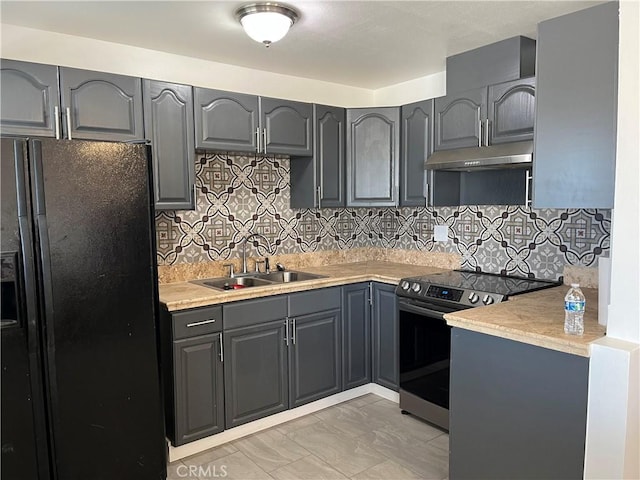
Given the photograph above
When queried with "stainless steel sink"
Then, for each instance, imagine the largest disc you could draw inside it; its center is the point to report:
(257, 280)
(289, 276)
(233, 283)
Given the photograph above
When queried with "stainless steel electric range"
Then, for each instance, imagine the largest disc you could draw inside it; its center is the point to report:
(425, 337)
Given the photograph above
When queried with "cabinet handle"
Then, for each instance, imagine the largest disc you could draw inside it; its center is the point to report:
(371, 294)
(527, 189)
(56, 114)
(221, 348)
(293, 333)
(203, 322)
(286, 331)
(258, 140)
(264, 140)
(486, 132)
(195, 191)
(69, 123)
(426, 190)
(319, 192)
(479, 130)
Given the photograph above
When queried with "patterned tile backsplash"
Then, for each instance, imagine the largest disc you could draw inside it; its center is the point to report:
(238, 195)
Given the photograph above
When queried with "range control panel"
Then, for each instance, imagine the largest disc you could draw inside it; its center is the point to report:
(469, 298)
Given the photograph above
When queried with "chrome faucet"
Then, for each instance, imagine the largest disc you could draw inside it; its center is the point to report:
(244, 248)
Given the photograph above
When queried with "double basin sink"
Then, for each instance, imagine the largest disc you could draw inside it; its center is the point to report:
(256, 280)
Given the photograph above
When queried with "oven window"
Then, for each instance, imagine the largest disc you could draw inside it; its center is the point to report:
(425, 347)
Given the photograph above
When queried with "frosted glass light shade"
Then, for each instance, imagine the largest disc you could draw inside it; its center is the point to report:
(266, 22)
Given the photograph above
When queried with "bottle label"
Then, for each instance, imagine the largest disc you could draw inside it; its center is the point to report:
(574, 306)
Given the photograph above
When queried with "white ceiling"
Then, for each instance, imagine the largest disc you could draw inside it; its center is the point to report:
(369, 44)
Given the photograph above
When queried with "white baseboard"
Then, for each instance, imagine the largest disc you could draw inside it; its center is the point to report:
(198, 446)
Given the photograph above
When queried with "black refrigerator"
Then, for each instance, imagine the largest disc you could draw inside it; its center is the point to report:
(80, 374)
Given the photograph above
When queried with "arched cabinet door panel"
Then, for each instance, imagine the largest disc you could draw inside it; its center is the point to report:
(458, 118)
(287, 127)
(101, 106)
(29, 98)
(511, 111)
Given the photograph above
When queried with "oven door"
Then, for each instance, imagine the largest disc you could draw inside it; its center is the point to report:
(425, 347)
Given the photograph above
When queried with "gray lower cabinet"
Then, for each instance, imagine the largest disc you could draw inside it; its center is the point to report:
(576, 112)
(168, 124)
(101, 106)
(315, 354)
(516, 411)
(287, 127)
(384, 336)
(319, 181)
(30, 97)
(256, 372)
(356, 335)
(192, 358)
(373, 155)
(226, 121)
(416, 146)
(458, 119)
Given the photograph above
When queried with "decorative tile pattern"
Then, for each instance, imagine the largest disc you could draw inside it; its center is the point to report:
(238, 195)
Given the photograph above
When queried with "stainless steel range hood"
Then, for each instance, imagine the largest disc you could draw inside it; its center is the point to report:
(507, 155)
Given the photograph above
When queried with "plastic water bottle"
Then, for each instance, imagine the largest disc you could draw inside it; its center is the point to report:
(574, 311)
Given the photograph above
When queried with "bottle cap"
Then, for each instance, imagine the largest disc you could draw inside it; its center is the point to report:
(575, 285)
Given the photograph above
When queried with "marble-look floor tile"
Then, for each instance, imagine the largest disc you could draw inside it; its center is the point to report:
(386, 471)
(363, 400)
(236, 466)
(307, 468)
(301, 422)
(270, 449)
(210, 455)
(349, 419)
(441, 442)
(407, 448)
(347, 455)
(176, 471)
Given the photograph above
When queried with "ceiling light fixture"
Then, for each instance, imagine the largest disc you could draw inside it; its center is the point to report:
(266, 22)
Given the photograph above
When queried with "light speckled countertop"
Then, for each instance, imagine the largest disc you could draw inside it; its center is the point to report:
(183, 295)
(535, 318)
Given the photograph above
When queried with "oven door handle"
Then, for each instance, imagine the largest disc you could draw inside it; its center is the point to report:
(410, 307)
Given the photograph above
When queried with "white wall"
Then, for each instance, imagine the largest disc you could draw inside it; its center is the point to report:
(39, 46)
(613, 419)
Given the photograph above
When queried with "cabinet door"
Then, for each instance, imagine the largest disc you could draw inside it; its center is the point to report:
(315, 357)
(457, 119)
(373, 151)
(29, 97)
(168, 124)
(356, 335)
(101, 106)
(329, 151)
(226, 121)
(576, 109)
(511, 111)
(199, 388)
(416, 146)
(385, 352)
(287, 127)
(255, 371)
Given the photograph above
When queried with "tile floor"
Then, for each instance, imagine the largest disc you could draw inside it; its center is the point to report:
(364, 438)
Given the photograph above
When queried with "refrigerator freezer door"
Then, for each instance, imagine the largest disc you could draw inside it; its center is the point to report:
(94, 223)
(24, 435)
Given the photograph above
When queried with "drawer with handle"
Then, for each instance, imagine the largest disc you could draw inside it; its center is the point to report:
(199, 321)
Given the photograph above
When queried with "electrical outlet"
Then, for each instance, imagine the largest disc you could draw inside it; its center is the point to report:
(440, 233)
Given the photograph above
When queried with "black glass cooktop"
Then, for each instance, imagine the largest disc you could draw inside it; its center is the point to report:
(485, 282)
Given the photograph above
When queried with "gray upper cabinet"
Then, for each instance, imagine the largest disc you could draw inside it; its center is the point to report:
(356, 334)
(287, 127)
(30, 98)
(576, 112)
(319, 181)
(226, 121)
(384, 336)
(416, 146)
(458, 119)
(373, 152)
(168, 124)
(511, 111)
(101, 106)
